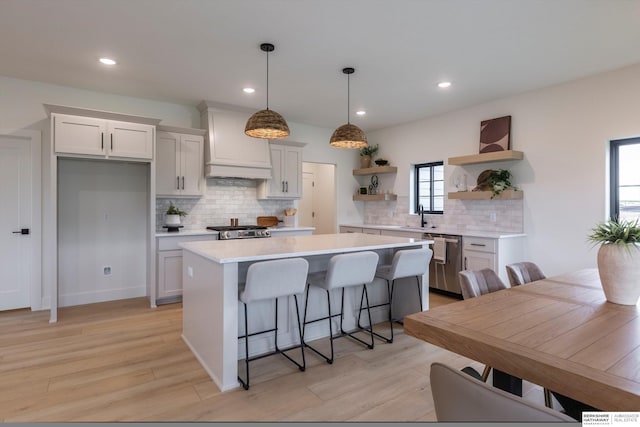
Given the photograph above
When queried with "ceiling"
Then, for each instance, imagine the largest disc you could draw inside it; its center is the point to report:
(186, 51)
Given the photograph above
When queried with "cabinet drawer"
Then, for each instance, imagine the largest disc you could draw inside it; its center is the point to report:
(480, 244)
(171, 243)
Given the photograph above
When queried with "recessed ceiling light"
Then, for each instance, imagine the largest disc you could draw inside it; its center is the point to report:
(444, 85)
(107, 61)
(361, 112)
(248, 90)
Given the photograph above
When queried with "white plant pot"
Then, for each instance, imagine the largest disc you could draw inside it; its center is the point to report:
(619, 270)
(172, 220)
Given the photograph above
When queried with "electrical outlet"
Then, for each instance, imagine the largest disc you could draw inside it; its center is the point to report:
(492, 217)
(107, 271)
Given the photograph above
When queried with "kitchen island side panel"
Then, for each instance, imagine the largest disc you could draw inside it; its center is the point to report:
(210, 316)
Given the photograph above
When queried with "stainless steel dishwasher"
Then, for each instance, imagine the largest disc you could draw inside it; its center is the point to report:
(444, 276)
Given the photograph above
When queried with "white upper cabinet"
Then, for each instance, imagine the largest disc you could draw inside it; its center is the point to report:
(99, 137)
(286, 181)
(179, 162)
(228, 151)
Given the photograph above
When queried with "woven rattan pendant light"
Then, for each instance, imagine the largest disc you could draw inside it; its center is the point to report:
(348, 136)
(267, 124)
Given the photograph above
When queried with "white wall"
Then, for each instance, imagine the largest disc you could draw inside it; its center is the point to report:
(563, 131)
(103, 219)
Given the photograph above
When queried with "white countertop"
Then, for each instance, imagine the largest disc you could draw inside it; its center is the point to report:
(442, 230)
(230, 251)
(215, 233)
(284, 228)
(187, 233)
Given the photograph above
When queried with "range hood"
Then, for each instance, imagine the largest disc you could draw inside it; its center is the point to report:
(228, 152)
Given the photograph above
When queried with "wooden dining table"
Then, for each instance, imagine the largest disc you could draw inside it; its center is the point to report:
(559, 333)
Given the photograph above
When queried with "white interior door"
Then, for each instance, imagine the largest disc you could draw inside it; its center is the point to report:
(305, 206)
(19, 227)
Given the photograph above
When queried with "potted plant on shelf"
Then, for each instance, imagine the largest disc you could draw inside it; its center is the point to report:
(495, 181)
(618, 259)
(365, 155)
(173, 215)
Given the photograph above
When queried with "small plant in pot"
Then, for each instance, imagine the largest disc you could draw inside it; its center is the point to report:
(618, 259)
(173, 214)
(366, 153)
(495, 181)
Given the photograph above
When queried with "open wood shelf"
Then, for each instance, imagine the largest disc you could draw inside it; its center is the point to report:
(486, 195)
(375, 170)
(495, 156)
(374, 197)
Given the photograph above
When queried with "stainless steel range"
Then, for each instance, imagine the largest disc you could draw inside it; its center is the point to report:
(241, 232)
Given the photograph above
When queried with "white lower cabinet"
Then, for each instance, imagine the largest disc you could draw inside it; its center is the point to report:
(169, 274)
(483, 252)
(169, 265)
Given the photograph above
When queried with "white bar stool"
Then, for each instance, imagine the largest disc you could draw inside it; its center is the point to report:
(405, 263)
(344, 270)
(271, 280)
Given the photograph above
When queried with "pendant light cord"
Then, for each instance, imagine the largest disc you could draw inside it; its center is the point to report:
(267, 80)
(348, 98)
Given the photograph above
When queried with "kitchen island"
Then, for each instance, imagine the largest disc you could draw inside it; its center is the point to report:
(212, 271)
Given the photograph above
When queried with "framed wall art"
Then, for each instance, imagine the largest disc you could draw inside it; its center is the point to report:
(495, 134)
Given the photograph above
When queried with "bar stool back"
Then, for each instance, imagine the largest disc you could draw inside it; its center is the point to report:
(405, 263)
(271, 280)
(344, 270)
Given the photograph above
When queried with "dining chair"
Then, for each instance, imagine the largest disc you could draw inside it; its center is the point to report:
(474, 283)
(520, 273)
(266, 281)
(344, 270)
(459, 397)
(406, 263)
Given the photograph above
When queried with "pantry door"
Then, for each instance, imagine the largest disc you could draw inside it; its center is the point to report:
(20, 281)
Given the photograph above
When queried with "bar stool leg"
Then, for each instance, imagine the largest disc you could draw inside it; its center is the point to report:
(419, 293)
(329, 360)
(245, 385)
(370, 329)
(304, 362)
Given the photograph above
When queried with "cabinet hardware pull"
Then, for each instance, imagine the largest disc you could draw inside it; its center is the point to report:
(22, 231)
(111, 142)
(287, 182)
(283, 186)
(102, 140)
(465, 263)
(177, 182)
(478, 244)
(183, 182)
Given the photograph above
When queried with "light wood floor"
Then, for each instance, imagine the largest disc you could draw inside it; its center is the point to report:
(122, 361)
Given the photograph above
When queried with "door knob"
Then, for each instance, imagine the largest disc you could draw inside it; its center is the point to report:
(22, 231)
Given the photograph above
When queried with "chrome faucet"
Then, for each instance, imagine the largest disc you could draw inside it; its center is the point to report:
(421, 211)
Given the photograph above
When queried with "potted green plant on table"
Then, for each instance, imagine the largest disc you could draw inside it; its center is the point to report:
(173, 214)
(366, 153)
(618, 259)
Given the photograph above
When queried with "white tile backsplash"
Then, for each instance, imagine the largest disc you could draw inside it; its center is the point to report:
(463, 214)
(224, 198)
